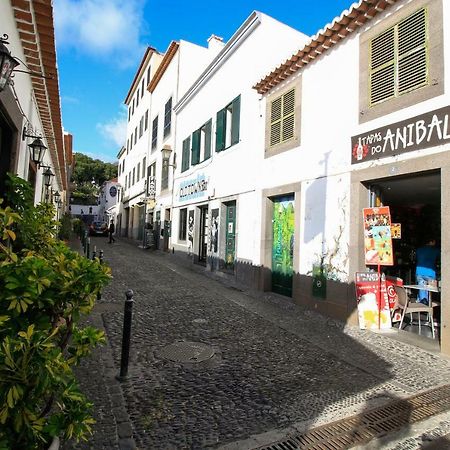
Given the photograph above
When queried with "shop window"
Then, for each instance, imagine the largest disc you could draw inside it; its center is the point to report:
(201, 143)
(185, 154)
(282, 118)
(167, 117)
(227, 125)
(154, 133)
(182, 225)
(399, 59)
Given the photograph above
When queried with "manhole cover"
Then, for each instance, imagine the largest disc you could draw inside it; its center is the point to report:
(186, 352)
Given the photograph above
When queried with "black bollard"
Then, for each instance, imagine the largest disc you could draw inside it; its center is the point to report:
(128, 314)
(101, 256)
(87, 247)
(94, 254)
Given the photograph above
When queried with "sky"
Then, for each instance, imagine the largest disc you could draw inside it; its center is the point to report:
(100, 44)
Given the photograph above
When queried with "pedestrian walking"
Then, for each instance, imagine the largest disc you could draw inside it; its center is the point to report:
(111, 230)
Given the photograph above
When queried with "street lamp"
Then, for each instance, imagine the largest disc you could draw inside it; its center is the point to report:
(166, 151)
(7, 62)
(47, 175)
(56, 195)
(37, 150)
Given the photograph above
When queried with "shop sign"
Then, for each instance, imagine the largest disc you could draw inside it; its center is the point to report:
(193, 188)
(377, 236)
(424, 131)
(112, 191)
(151, 188)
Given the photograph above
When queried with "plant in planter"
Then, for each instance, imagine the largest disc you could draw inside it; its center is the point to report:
(45, 288)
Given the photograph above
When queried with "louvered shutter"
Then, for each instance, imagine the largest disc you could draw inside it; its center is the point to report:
(220, 130)
(185, 156)
(287, 131)
(208, 126)
(412, 52)
(235, 119)
(275, 121)
(195, 147)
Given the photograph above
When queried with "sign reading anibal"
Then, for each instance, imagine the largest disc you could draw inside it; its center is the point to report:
(424, 131)
(193, 188)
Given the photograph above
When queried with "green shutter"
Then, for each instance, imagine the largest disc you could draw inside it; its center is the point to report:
(220, 130)
(235, 118)
(195, 147)
(185, 156)
(208, 126)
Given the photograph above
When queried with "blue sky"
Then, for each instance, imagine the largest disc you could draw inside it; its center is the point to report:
(100, 44)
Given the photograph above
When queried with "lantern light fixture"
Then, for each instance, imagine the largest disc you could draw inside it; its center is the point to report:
(48, 174)
(7, 62)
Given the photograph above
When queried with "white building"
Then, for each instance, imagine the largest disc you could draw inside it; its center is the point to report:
(108, 201)
(30, 106)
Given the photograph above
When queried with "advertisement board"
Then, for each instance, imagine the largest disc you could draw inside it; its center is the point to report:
(377, 236)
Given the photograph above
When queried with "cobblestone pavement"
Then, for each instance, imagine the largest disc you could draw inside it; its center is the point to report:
(276, 366)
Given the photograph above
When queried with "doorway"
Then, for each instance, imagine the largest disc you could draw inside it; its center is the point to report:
(203, 234)
(167, 230)
(283, 227)
(230, 235)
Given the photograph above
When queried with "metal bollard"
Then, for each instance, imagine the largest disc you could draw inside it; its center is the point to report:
(128, 314)
(94, 252)
(87, 247)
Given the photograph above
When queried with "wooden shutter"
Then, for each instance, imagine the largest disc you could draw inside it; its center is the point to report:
(208, 126)
(220, 130)
(195, 147)
(288, 127)
(275, 121)
(185, 155)
(412, 52)
(235, 119)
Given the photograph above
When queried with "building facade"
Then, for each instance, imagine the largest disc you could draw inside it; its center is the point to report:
(30, 103)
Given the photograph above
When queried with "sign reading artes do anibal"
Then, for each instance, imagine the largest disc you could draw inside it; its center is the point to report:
(424, 131)
(193, 188)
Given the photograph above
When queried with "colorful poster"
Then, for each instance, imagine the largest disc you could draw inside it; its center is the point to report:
(396, 230)
(377, 236)
(191, 227)
(370, 316)
(214, 231)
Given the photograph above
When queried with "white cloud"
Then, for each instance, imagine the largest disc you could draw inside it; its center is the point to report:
(101, 27)
(116, 129)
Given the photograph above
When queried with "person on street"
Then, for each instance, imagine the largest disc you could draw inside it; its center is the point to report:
(426, 260)
(111, 230)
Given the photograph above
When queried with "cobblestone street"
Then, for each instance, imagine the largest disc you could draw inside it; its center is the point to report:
(276, 367)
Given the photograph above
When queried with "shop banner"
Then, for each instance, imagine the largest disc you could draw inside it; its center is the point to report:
(368, 285)
(377, 236)
(424, 131)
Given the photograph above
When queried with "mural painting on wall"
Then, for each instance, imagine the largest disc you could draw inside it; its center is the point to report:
(191, 227)
(283, 237)
(214, 231)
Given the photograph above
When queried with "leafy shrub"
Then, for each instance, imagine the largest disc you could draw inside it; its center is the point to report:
(45, 288)
(65, 227)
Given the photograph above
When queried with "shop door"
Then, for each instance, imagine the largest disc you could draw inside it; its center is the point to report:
(230, 239)
(283, 245)
(157, 229)
(203, 241)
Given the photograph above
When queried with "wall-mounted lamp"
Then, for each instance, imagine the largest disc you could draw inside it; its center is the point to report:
(56, 196)
(166, 151)
(7, 62)
(37, 147)
(47, 175)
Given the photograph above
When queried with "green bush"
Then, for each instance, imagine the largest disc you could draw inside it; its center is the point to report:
(78, 227)
(65, 227)
(45, 288)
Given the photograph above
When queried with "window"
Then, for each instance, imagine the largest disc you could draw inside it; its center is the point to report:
(201, 143)
(182, 227)
(126, 179)
(146, 120)
(138, 172)
(129, 113)
(144, 161)
(282, 118)
(167, 117)
(120, 166)
(165, 174)
(399, 59)
(135, 135)
(148, 74)
(154, 133)
(123, 166)
(131, 141)
(129, 178)
(142, 86)
(132, 112)
(128, 145)
(185, 154)
(141, 126)
(137, 98)
(227, 125)
(134, 175)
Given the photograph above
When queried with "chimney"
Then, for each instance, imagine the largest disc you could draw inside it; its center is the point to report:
(215, 43)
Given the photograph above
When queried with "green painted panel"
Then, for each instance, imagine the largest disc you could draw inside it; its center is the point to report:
(230, 249)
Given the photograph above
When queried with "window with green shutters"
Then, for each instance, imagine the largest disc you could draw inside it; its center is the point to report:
(399, 58)
(201, 143)
(167, 117)
(154, 133)
(185, 155)
(282, 118)
(227, 125)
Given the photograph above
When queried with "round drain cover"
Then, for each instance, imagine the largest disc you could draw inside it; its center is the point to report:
(186, 352)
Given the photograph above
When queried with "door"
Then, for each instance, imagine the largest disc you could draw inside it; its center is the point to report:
(203, 234)
(230, 237)
(283, 245)
(167, 230)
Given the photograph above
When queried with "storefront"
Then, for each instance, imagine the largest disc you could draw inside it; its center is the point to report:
(416, 187)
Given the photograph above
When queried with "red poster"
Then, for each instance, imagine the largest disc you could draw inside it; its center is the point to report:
(377, 236)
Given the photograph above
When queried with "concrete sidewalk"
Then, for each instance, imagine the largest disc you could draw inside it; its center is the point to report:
(276, 367)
